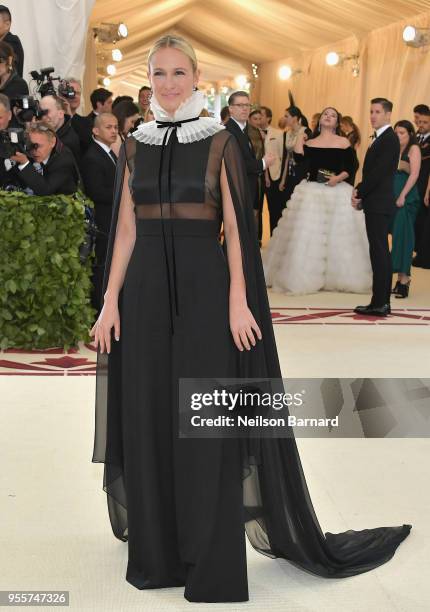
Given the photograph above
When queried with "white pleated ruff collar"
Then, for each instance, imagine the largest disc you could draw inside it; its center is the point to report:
(150, 133)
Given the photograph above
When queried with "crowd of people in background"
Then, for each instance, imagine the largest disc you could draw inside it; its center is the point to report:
(66, 151)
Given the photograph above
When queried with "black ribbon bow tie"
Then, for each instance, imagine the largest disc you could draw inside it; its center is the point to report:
(175, 124)
(171, 282)
(374, 135)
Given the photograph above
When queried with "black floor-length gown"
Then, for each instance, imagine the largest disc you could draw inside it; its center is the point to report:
(182, 504)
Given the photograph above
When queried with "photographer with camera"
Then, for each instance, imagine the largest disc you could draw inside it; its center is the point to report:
(72, 100)
(45, 168)
(11, 39)
(56, 119)
(11, 84)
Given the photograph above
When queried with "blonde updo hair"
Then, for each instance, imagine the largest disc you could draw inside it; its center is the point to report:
(176, 42)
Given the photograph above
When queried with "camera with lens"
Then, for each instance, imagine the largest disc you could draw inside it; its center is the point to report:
(26, 108)
(13, 140)
(46, 85)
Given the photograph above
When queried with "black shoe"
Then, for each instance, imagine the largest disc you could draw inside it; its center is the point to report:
(395, 289)
(403, 291)
(363, 309)
(374, 311)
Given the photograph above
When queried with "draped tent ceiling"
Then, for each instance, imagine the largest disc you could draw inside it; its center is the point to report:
(229, 35)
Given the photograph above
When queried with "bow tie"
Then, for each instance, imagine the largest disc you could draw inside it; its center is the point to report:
(174, 124)
(374, 135)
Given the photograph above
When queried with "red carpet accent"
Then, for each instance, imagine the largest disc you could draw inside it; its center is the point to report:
(344, 316)
(82, 361)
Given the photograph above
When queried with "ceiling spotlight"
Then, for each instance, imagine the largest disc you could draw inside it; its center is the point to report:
(110, 33)
(332, 58)
(338, 59)
(116, 55)
(356, 69)
(416, 37)
(122, 30)
(106, 81)
(286, 72)
(110, 69)
(241, 80)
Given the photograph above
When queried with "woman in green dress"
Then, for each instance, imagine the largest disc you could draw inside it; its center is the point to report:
(407, 202)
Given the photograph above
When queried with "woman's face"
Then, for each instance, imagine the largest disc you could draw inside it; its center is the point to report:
(255, 120)
(4, 67)
(172, 78)
(329, 119)
(290, 120)
(345, 127)
(129, 122)
(403, 135)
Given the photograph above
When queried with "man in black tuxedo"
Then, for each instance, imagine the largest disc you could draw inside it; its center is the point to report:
(98, 174)
(101, 102)
(51, 170)
(375, 195)
(422, 223)
(239, 109)
(11, 39)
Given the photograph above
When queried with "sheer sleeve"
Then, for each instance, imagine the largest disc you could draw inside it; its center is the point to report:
(280, 520)
(108, 420)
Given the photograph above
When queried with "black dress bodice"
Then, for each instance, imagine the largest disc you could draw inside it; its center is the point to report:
(182, 180)
(336, 160)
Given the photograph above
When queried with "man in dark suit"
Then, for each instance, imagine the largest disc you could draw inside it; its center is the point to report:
(422, 223)
(239, 109)
(98, 174)
(50, 170)
(375, 194)
(101, 101)
(11, 39)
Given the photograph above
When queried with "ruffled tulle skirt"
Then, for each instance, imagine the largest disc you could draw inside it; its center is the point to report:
(320, 243)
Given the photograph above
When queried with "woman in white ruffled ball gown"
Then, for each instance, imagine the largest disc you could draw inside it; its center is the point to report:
(320, 242)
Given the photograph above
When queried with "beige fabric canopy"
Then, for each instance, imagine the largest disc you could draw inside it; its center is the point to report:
(231, 34)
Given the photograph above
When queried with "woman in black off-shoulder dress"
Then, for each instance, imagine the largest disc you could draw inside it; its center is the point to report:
(183, 504)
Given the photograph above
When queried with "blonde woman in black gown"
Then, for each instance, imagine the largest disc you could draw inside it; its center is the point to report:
(176, 306)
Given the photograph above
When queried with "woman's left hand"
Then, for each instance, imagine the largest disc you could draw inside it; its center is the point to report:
(332, 182)
(243, 325)
(400, 202)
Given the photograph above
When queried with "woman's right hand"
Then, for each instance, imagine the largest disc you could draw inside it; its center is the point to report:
(427, 198)
(108, 318)
(281, 186)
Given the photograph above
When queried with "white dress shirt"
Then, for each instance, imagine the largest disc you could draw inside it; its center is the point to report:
(105, 147)
(382, 129)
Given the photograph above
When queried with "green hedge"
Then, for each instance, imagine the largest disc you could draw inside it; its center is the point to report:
(44, 288)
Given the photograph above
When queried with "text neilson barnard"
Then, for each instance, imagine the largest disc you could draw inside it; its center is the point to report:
(260, 421)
